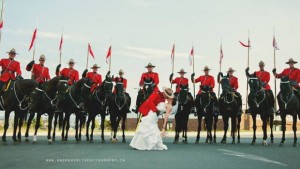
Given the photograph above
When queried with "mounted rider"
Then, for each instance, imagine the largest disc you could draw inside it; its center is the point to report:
(40, 73)
(70, 73)
(180, 81)
(264, 77)
(122, 80)
(206, 80)
(10, 69)
(234, 84)
(95, 77)
(150, 75)
(293, 74)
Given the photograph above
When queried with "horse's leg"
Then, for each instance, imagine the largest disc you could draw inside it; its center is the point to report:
(21, 120)
(76, 127)
(117, 125)
(64, 127)
(92, 129)
(6, 124)
(50, 119)
(239, 119)
(176, 129)
(225, 121)
(199, 128)
(87, 128)
(264, 127)
(185, 127)
(233, 128)
(16, 120)
(215, 128)
(28, 126)
(283, 123)
(254, 128)
(102, 127)
(123, 128)
(271, 126)
(82, 119)
(209, 125)
(67, 121)
(37, 126)
(295, 130)
(54, 125)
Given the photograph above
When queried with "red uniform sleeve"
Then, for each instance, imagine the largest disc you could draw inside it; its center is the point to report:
(156, 79)
(174, 81)
(61, 73)
(151, 101)
(48, 75)
(280, 75)
(212, 82)
(76, 78)
(100, 80)
(18, 69)
(125, 83)
(142, 80)
(236, 84)
(1, 62)
(198, 79)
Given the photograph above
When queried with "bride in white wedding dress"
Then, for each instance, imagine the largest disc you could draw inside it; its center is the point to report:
(148, 135)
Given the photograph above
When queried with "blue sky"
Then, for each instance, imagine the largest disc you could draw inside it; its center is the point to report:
(142, 30)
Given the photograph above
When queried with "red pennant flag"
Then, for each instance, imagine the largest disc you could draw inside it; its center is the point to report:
(191, 58)
(221, 55)
(33, 39)
(275, 46)
(173, 52)
(108, 54)
(61, 42)
(247, 46)
(1, 24)
(91, 52)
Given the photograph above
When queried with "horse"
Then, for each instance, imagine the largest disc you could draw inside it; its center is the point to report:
(96, 103)
(260, 103)
(15, 98)
(289, 104)
(205, 108)
(228, 105)
(71, 101)
(44, 100)
(118, 108)
(185, 104)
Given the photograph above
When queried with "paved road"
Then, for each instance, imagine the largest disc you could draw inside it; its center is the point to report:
(120, 155)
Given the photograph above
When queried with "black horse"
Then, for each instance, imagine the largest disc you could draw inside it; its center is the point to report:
(289, 104)
(118, 108)
(260, 103)
(228, 105)
(16, 99)
(144, 93)
(205, 108)
(71, 101)
(44, 100)
(96, 103)
(185, 104)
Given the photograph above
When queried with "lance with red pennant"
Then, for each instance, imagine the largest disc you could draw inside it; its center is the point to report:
(220, 67)
(108, 58)
(33, 42)
(89, 52)
(192, 60)
(173, 59)
(61, 45)
(1, 18)
(248, 46)
(275, 48)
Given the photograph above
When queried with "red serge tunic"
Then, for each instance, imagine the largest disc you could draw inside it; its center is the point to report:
(40, 73)
(293, 74)
(233, 81)
(150, 75)
(71, 74)
(9, 68)
(150, 104)
(264, 77)
(180, 81)
(95, 78)
(206, 81)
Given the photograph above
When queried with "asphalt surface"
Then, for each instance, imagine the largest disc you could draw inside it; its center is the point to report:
(120, 155)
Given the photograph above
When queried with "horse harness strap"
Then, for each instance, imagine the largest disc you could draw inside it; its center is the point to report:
(77, 105)
(120, 107)
(264, 97)
(20, 101)
(51, 100)
(102, 102)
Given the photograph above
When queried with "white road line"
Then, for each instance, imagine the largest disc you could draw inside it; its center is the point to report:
(250, 156)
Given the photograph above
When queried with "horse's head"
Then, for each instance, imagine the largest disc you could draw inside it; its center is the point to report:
(182, 97)
(62, 85)
(225, 84)
(107, 85)
(254, 85)
(119, 87)
(148, 85)
(285, 86)
(27, 85)
(86, 88)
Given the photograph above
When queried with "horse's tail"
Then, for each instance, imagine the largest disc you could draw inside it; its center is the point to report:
(60, 120)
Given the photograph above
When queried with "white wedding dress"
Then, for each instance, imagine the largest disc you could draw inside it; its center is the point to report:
(148, 136)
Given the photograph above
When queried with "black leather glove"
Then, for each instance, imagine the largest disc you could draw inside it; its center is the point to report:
(29, 66)
(84, 73)
(274, 71)
(158, 112)
(57, 68)
(108, 73)
(220, 74)
(247, 72)
(171, 77)
(112, 76)
(247, 69)
(192, 76)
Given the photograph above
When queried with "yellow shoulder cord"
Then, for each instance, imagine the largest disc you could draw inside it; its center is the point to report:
(7, 86)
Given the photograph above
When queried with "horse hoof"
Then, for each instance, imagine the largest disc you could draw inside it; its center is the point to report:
(27, 140)
(223, 142)
(16, 142)
(253, 143)
(34, 142)
(215, 141)
(238, 141)
(103, 141)
(206, 141)
(281, 144)
(123, 141)
(87, 139)
(4, 142)
(91, 141)
(272, 141)
(265, 142)
(65, 142)
(197, 142)
(295, 144)
(50, 141)
(185, 142)
(114, 140)
(175, 142)
(53, 139)
(233, 142)
(19, 140)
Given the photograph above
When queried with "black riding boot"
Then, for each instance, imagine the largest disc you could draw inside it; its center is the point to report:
(239, 102)
(216, 103)
(129, 102)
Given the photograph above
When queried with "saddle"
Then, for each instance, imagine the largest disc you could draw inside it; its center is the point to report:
(6, 86)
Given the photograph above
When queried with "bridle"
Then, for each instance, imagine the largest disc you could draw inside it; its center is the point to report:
(291, 94)
(47, 96)
(257, 103)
